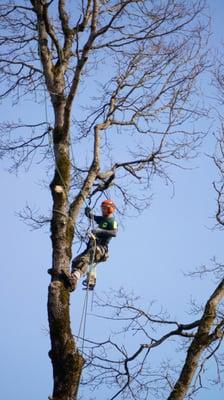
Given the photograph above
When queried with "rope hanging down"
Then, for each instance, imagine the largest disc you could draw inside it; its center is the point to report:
(83, 321)
(86, 298)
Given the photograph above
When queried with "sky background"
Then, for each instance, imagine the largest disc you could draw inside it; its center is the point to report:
(149, 257)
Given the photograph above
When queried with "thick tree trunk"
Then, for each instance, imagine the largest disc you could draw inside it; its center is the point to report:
(66, 360)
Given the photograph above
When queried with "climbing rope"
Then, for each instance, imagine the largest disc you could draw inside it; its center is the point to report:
(83, 320)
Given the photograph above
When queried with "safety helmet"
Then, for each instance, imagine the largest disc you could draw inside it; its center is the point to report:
(109, 206)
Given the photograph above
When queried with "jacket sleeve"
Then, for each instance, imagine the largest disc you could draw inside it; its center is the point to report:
(105, 233)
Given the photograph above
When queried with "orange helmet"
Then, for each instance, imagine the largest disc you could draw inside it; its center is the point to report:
(108, 205)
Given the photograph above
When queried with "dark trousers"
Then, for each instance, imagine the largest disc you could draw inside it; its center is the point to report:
(94, 253)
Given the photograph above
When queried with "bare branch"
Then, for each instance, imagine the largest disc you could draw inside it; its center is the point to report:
(200, 342)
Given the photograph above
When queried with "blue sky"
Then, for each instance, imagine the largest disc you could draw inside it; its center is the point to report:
(148, 257)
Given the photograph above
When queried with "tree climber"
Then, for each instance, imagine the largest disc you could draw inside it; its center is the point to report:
(97, 246)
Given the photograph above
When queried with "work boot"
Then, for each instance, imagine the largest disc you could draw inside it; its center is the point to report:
(52, 272)
(69, 279)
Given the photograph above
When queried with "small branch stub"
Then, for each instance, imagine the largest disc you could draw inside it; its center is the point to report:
(58, 189)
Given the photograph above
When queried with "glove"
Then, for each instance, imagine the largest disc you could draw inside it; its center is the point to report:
(88, 212)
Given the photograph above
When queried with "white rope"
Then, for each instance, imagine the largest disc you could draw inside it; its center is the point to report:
(83, 320)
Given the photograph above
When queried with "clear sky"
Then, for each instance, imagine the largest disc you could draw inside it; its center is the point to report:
(148, 257)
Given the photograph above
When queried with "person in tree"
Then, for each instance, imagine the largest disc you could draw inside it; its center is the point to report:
(97, 246)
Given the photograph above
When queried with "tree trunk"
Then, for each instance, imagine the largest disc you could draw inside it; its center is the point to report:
(66, 360)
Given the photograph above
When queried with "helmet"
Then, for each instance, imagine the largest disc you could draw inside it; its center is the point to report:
(109, 206)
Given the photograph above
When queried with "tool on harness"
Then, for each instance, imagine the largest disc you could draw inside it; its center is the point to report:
(90, 282)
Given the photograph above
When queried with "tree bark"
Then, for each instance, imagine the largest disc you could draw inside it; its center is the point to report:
(66, 360)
